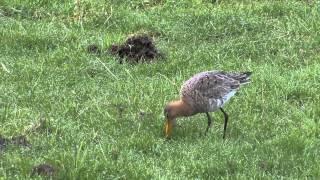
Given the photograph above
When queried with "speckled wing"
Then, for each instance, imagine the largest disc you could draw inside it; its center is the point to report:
(207, 91)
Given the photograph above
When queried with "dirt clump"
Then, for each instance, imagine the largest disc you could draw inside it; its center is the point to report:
(43, 169)
(138, 48)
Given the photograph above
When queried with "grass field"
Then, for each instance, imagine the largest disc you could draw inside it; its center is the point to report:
(101, 119)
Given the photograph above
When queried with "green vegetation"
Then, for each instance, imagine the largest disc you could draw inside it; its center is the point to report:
(102, 119)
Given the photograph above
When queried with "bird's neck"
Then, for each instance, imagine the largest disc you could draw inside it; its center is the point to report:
(181, 108)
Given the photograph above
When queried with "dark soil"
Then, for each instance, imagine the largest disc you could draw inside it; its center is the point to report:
(43, 169)
(136, 49)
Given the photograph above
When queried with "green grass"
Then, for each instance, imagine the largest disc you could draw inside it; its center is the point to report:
(46, 73)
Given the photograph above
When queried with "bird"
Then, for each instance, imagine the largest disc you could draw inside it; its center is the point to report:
(204, 92)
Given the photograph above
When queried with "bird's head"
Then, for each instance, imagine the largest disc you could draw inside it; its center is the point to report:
(170, 115)
(173, 110)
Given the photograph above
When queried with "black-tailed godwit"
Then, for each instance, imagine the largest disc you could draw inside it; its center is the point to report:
(203, 93)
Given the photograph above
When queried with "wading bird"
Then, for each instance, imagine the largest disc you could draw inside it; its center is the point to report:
(203, 93)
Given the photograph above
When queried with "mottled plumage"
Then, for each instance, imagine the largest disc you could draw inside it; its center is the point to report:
(206, 92)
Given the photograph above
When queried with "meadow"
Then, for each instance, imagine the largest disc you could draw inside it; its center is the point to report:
(90, 117)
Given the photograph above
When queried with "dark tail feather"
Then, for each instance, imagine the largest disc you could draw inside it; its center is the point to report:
(247, 73)
(244, 77)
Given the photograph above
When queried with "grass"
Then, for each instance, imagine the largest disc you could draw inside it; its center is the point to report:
(104, 119)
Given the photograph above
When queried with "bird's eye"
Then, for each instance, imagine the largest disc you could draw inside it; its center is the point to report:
(166, 112)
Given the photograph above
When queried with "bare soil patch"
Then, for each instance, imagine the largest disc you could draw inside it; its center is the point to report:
(138, 48)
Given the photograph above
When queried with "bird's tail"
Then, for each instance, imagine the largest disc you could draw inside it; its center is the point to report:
(243, 77)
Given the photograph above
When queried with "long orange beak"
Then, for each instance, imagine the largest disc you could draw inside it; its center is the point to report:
(168, 128)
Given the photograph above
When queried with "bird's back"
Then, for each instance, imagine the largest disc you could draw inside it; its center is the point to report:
(207, 91)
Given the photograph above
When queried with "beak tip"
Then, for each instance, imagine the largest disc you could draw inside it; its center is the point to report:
(168, 129)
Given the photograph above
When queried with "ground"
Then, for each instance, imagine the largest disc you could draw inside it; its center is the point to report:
(84, 115)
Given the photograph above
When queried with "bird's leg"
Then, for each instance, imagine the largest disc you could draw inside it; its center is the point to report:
(225, 122)
(209, 122)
